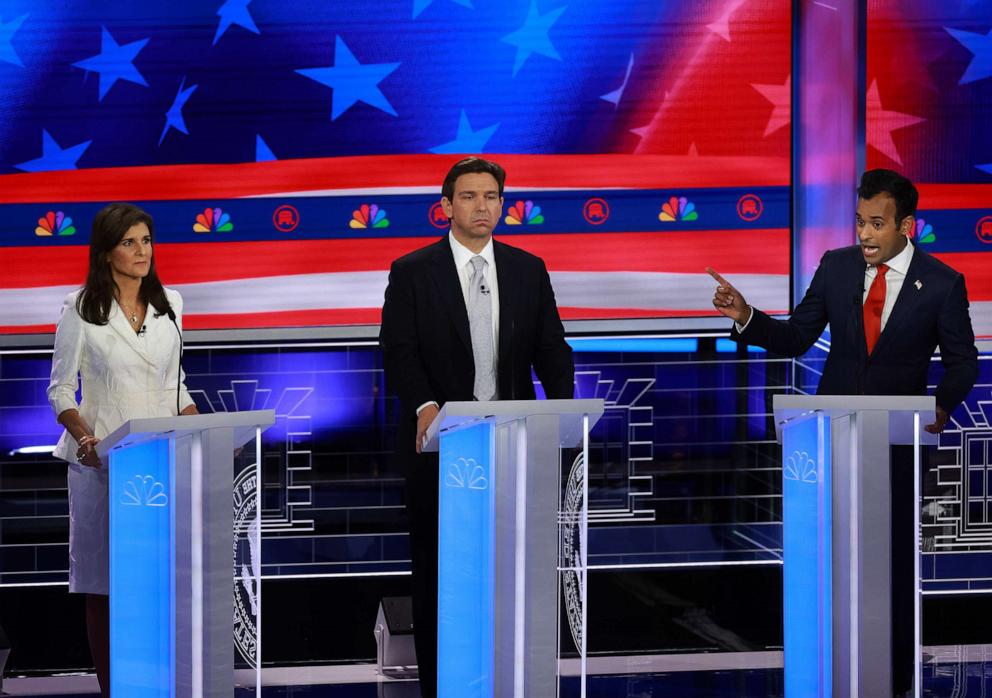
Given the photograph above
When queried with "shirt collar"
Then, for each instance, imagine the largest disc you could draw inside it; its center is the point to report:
(900, 263)
(463, 255)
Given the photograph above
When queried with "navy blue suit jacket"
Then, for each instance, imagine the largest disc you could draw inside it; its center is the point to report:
(931, 311)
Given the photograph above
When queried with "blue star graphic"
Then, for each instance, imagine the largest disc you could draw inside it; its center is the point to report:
(54, 157)
(234, 12)
(467, 140)
(7, 31)
(421, 5)
(351, 81)
(533, 36)
(981, 46)
(263, 153)
(987, 167)
(114, 62)
(174, 117)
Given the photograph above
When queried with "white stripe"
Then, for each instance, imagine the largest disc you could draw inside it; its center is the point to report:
(337, 290)
(352, 289)
(640, 289)
(33, 306)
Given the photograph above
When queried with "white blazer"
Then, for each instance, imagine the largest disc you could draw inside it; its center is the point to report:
(124, 376)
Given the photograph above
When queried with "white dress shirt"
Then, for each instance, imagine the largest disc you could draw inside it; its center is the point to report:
(894, 278)
(463, 265)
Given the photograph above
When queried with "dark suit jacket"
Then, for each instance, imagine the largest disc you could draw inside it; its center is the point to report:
(933, 314)
(427, 347)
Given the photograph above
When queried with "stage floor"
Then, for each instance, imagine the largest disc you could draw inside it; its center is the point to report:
(955, 671)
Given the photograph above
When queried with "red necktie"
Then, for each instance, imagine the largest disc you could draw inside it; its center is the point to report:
(873, 307)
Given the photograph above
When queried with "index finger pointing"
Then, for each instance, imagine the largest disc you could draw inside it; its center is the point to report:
(719, 279)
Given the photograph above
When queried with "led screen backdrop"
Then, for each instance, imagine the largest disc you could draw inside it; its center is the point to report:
(929, 107)
(289, 151)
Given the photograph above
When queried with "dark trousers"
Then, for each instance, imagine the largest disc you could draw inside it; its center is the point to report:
(422, 507)
(903, 552)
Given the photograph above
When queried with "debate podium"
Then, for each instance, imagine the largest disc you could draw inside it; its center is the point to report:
(500, 496)
(184, 553)
(836, 538)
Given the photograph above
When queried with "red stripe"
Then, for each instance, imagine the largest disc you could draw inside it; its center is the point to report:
(287, 318)
(977, 270)
(241, 322)
(161, 182)
(624, 313)
(27, 329)
(936, 197)
(372, 316)
(729, 252)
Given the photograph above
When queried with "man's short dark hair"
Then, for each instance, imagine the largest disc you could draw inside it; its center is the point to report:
(472, 165)
(875, 182)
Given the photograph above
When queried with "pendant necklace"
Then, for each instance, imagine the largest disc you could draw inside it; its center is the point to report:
(132, 313)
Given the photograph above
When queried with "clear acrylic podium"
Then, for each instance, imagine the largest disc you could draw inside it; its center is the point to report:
(836, 543)
(178, 615)
(501, 517)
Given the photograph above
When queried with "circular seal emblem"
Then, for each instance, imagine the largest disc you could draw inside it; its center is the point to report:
(983, 229)
(749, 207)
(437, 216)
(247, 557)
(570, 551)
(286, 218)
(596, 211)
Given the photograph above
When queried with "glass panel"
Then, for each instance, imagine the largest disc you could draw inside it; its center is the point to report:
(572, 568)
(247, 568)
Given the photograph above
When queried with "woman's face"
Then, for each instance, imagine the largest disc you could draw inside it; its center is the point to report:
(132, 257)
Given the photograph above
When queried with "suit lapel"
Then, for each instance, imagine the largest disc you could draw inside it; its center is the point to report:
(907, 300)
(446, 278)
(506, 301)
(119, 324)
(857, 285)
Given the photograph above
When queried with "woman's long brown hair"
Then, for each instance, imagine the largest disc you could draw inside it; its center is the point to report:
(109, 228)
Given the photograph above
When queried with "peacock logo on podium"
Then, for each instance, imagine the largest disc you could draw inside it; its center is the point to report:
(465, 472)
(800, 467)
(144, 491)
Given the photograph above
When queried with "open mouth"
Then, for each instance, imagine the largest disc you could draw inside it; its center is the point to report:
(869, 251)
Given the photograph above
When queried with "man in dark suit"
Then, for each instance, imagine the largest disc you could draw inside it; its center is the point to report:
(464, 318)
(889, 304)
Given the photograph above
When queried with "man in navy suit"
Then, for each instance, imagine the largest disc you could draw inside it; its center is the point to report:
(889, 304)
(464, 318)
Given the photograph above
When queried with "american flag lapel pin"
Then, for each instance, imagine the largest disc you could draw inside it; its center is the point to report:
(918, 284)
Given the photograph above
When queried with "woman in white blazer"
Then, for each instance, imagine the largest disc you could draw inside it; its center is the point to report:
(117, 333)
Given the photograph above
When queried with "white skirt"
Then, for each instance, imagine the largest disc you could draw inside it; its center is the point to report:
(89, 519)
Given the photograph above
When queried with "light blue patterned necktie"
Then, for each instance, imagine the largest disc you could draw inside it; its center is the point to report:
(480, 322)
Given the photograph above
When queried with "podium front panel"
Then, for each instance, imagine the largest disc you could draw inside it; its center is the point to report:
(177, 530)
(806, 549)
(466, 570)
(142, 592)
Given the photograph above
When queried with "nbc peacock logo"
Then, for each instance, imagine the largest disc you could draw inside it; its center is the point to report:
(678, 208)
(369, 216)
(923, 232)
(54, 223)
(524, 213)
(213, 220)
